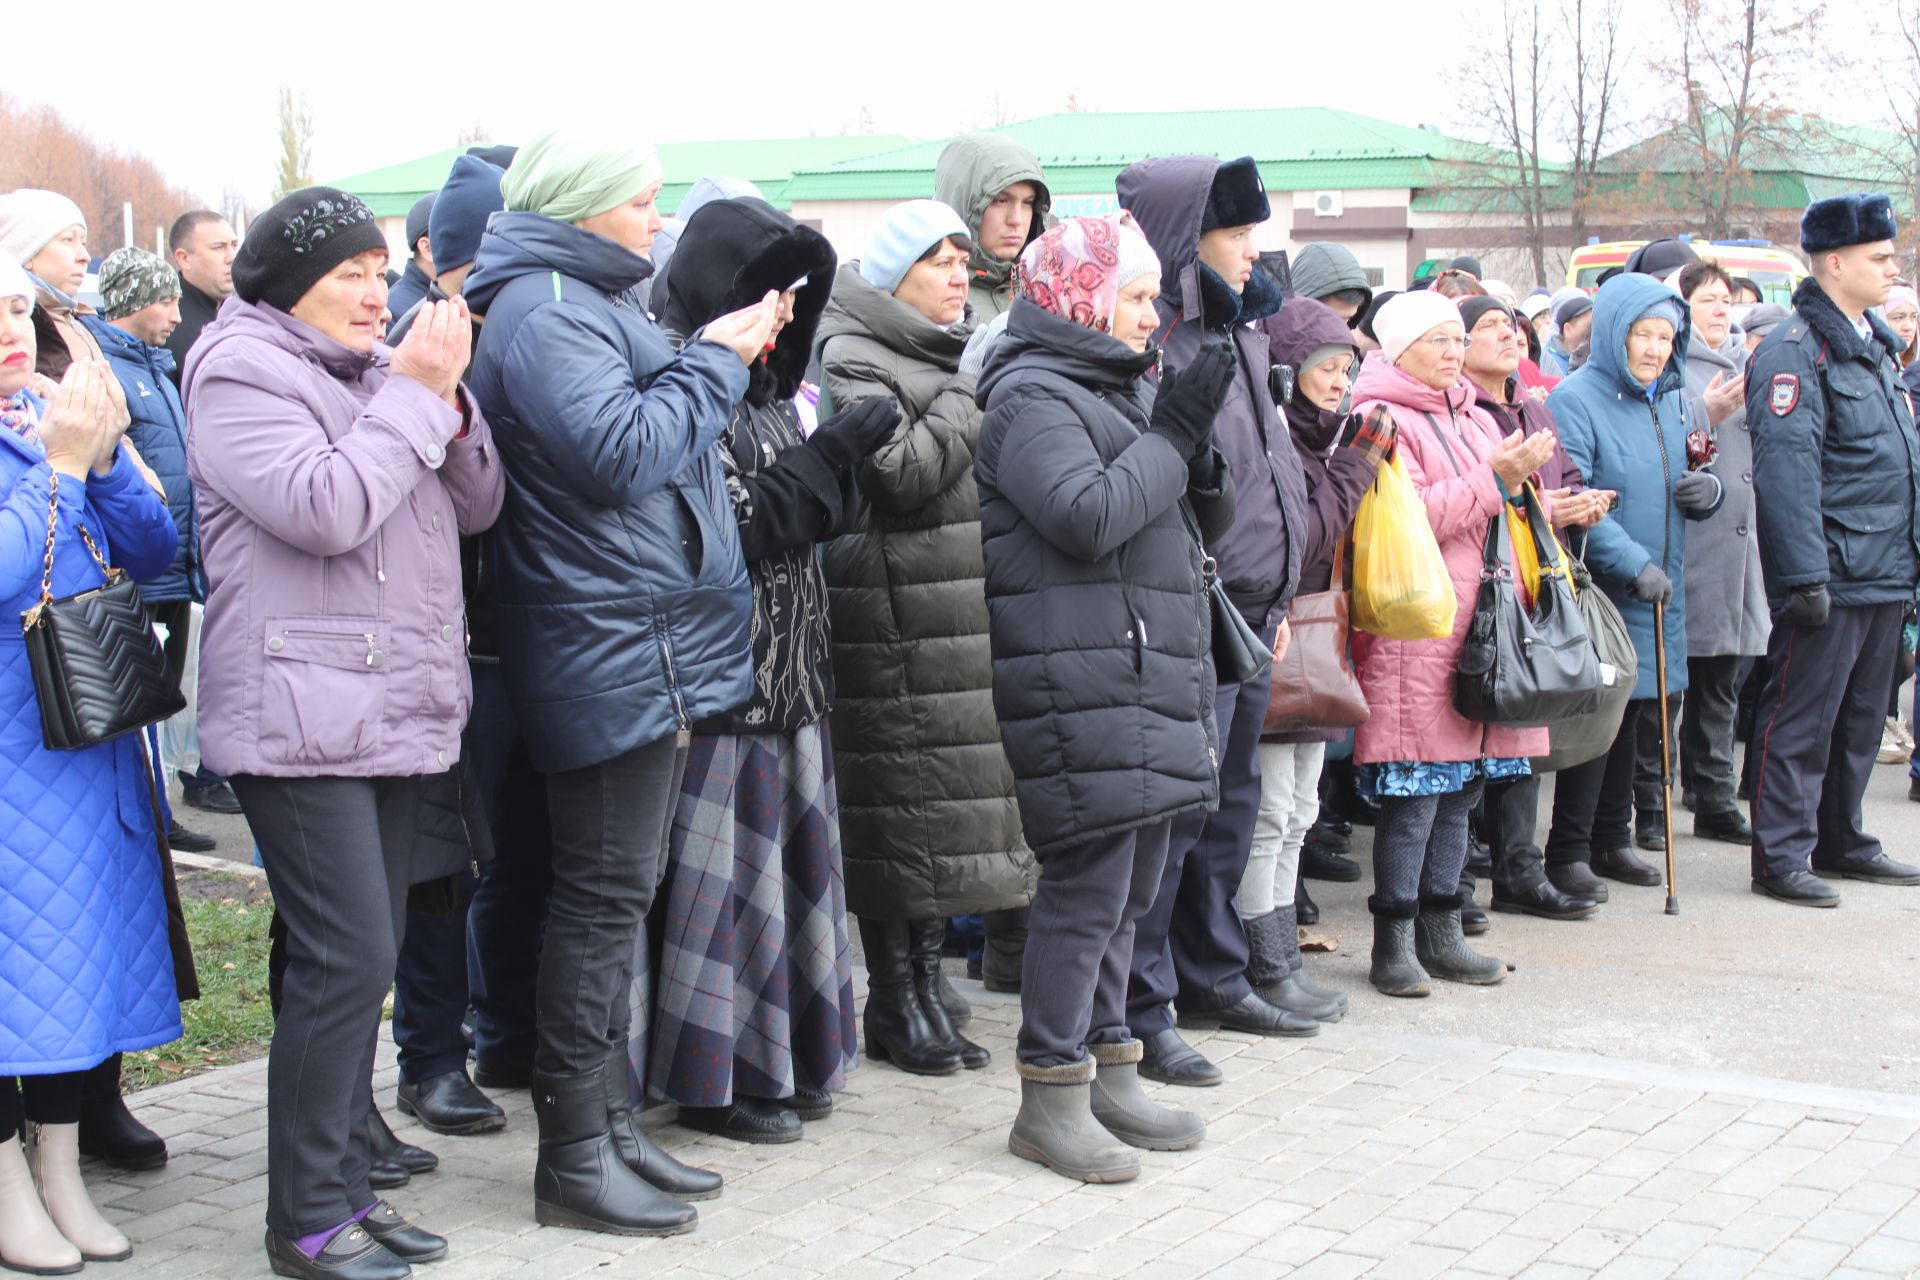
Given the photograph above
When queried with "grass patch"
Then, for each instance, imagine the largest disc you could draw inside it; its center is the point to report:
(227, 919)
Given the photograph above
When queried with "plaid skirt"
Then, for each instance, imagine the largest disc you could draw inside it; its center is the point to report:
(745, 954)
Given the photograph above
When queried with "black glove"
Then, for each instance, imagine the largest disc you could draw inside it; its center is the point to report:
(1189, 398)
(1806, 607)
(845, 438)
(1696, 491)
(1652, 586)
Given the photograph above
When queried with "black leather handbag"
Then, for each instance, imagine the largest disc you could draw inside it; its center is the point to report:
(98, 671)
(1239, 655)
(1525, 668)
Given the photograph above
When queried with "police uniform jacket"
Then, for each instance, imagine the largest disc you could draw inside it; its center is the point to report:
(1836, 465)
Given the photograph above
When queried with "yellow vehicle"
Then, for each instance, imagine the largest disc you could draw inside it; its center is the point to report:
(1777, 271)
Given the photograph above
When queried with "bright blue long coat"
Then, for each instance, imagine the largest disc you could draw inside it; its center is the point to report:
(85, 970)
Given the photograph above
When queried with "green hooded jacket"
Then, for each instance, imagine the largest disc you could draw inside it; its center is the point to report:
(973, 170)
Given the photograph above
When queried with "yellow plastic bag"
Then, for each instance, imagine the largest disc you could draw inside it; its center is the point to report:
(1401, 590)
(1526, 553)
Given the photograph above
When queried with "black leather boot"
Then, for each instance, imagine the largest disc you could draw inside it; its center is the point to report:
(925, 958)
(579, 1179)
(682, 1181)
(108, 1130)
(1005, 951)
(896, 1026)
(1520, 885)
(1305, 909)
(393, 1162)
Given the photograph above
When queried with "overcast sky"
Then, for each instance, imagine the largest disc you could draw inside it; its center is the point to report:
(194, 86)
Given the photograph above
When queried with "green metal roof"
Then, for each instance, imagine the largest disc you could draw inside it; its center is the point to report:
(767, 163)
(1297, 148)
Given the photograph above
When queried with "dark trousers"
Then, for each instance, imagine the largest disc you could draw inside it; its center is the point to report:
(509, 911)
(1080, 932)
(1593, 802)
(1190, 944)
(1509, 814)
(338, 853)
(1818, 727)
(48, 1099)
(1649, 796)
(610, 827)
(177, 617)
(1420, 846)
(1706, 734)
(430, 990)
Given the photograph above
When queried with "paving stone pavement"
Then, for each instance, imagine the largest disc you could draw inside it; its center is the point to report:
(1360, 1152)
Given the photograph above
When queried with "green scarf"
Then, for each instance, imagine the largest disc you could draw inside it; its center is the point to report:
(570, 176)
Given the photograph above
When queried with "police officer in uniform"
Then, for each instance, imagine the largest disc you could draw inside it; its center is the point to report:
(1836, 485)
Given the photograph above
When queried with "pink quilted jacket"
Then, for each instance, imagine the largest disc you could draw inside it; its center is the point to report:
(1409, 683)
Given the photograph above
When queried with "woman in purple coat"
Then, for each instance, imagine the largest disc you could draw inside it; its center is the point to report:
(334, 476)
(1315, 345)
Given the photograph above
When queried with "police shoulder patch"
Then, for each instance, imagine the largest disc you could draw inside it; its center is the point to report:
(1783, 396)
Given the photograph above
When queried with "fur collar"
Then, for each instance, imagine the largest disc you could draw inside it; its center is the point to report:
(1836, 331)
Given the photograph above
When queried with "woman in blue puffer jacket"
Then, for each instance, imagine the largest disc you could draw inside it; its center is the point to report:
(85, 968)
(1623, 418)
(623, 609)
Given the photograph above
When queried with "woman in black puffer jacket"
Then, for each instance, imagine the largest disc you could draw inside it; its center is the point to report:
(1101, 671)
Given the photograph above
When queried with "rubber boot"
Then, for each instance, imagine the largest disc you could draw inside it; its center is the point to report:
(637, 1151)
(29, 1241)
(1006, 950)
(1442, 948)
(1277, 972)
(1056, 1127)
(579, 1179)
(896, 1026)
(925, 959)
(53, 1152)
(1396, 969)
(1124, 1110)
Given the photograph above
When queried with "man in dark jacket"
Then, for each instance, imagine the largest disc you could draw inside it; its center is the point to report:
(1835, 474)
(202, 245)
(421, 271)
(139, 308)
(1200, 215)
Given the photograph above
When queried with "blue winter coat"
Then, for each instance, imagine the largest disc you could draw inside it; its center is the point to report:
(85, 971)
(1631, 438)
(623, 601)
(159, 432)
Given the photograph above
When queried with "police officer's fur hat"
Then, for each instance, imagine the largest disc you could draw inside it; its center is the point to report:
(1838, 221)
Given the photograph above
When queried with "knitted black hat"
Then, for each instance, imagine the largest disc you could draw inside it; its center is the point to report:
(290, 247)
(1474, 308)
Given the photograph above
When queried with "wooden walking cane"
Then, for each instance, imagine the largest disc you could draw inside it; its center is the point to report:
(1666, 748)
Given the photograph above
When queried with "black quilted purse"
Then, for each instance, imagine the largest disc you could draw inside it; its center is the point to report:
(97, 669)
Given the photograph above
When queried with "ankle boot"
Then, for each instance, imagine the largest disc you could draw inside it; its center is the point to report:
(108, 1131)
(1273, 940)
(29, 1241)
(1056, 1127)
(927, 981)
(1442, 947)
(895, 1021)
(1124, 1110)
(1305, 909)
(579, 1179)
(1396, 969)
(1005, 951)
(53, 1151)
(637, 1151)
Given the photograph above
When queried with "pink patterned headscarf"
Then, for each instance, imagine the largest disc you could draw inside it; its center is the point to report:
(1077, 268)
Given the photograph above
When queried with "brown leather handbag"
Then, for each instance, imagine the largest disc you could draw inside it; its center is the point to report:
(1315, 685)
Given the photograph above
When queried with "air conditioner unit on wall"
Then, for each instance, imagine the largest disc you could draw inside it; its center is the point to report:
(1328, 204)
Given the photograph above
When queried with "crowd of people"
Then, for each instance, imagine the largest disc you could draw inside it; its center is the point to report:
(602, 615)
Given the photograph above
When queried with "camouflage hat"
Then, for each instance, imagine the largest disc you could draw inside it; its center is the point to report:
(132, 279)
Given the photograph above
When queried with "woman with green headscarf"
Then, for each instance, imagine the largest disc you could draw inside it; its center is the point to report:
(623, 609)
